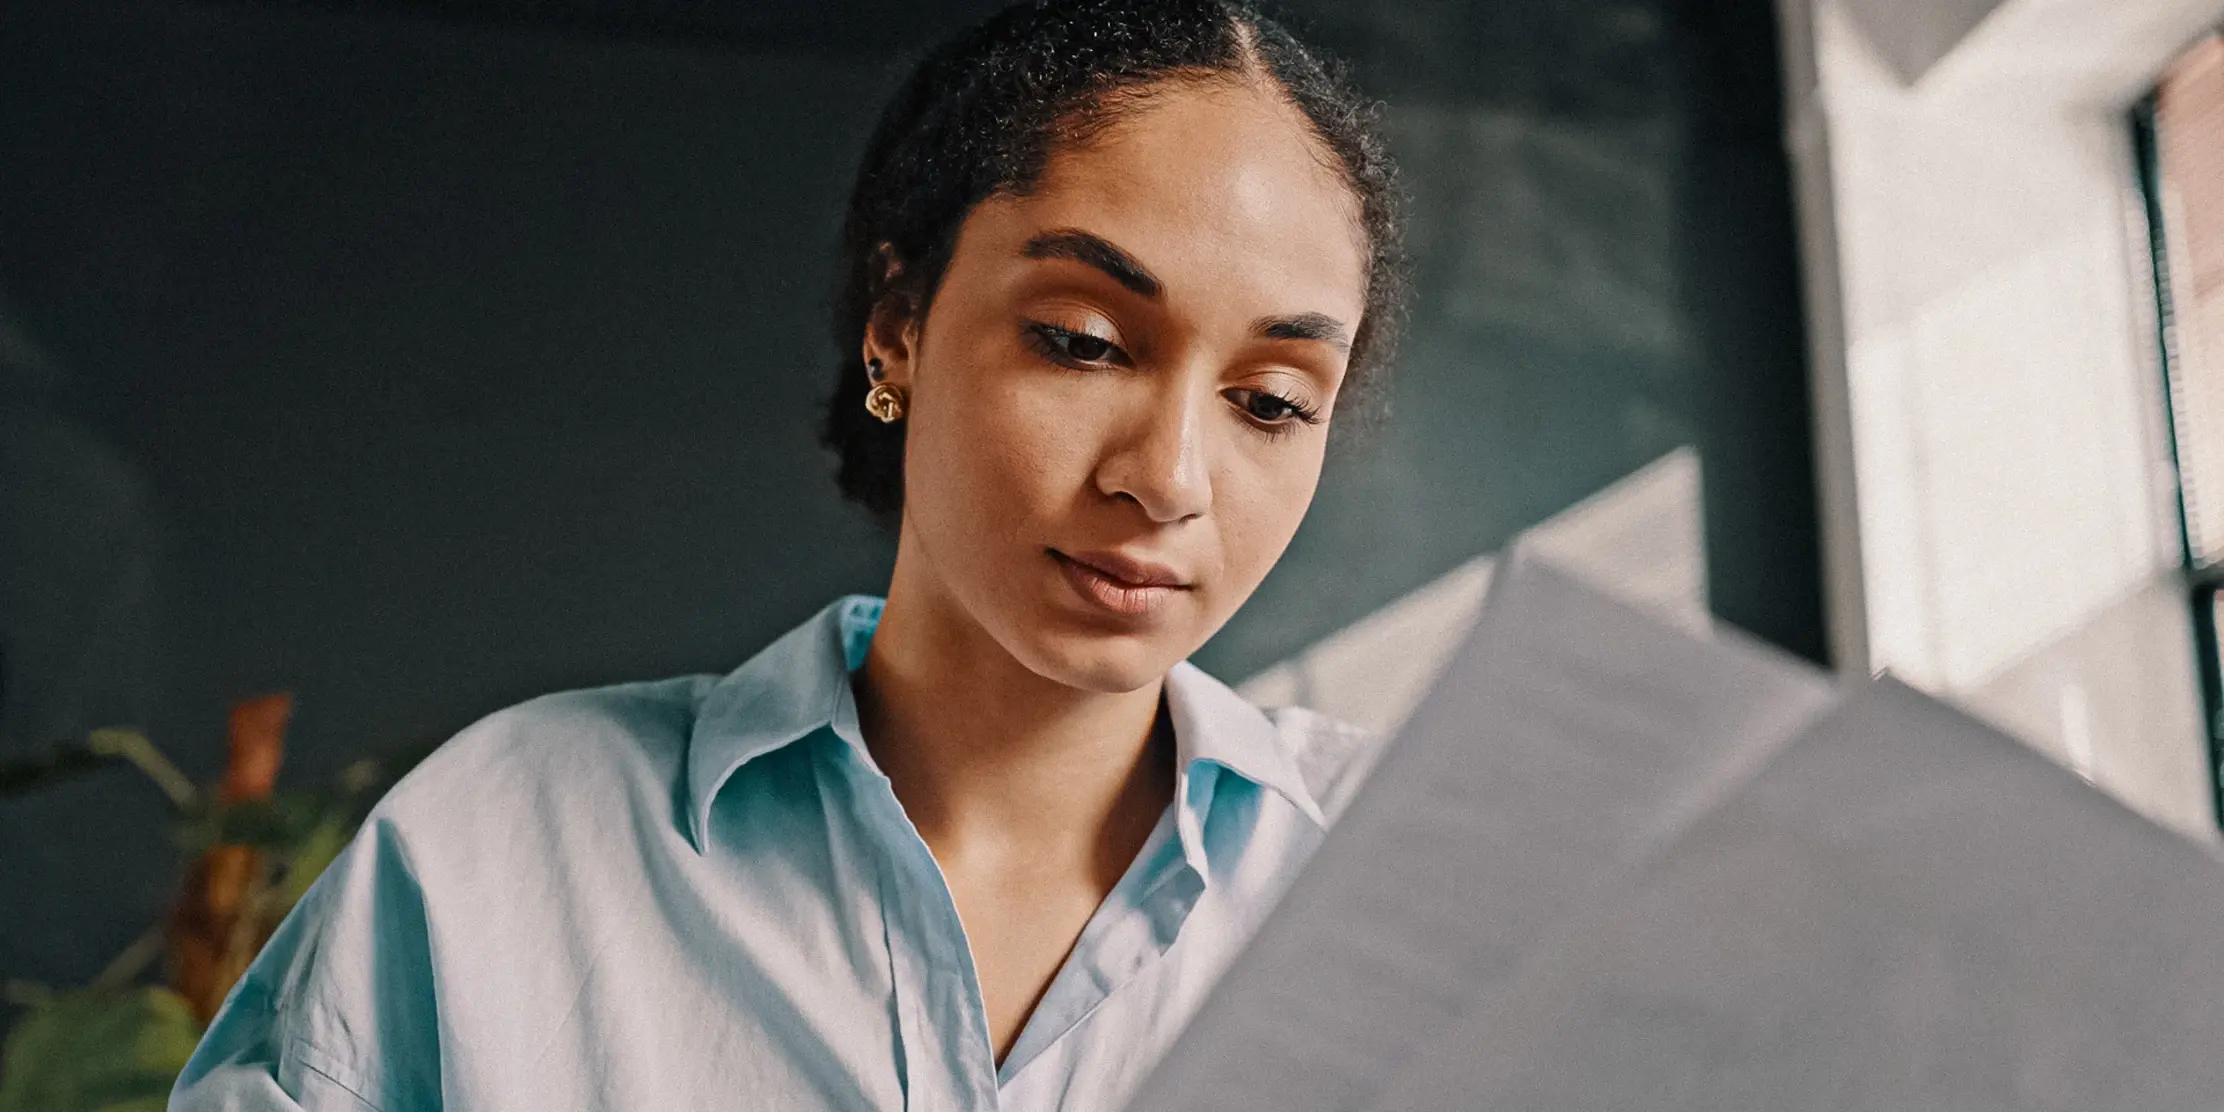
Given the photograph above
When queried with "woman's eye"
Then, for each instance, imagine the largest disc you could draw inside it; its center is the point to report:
(1272, 409)
(1069, 346)
(1267, 407)
(1085, 347)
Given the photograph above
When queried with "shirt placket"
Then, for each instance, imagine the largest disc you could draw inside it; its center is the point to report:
(941, 1014)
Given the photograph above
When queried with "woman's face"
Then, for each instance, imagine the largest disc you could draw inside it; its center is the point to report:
(1119, 400)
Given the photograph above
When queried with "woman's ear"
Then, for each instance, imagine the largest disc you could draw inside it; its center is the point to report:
(891, 336)
(892, 329)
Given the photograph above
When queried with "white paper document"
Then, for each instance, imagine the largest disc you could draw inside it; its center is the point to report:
(1612, 865)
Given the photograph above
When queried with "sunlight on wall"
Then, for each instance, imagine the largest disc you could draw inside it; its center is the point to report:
(2010, 455)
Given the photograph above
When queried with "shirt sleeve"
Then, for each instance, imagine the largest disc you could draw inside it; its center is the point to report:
(337, 1013)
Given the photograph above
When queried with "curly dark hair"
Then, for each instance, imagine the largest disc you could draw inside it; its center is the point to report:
(981, 116)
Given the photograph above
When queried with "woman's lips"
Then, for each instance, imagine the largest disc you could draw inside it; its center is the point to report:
(1117, 583)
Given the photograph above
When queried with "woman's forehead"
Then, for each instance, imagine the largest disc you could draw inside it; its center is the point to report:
(1206, 186)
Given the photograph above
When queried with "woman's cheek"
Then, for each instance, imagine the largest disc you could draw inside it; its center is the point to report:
(1044, 436)
(1269, 503)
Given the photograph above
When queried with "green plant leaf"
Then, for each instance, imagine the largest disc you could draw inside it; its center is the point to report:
(276, 825)
(311, 854)
(97, 1051)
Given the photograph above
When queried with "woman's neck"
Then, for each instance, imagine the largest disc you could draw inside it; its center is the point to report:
(992, 761)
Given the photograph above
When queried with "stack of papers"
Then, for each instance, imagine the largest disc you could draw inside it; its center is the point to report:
(1613, 865)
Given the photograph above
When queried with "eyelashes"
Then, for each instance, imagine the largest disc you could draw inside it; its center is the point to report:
(1275, 410)
(1274, 414)
(1078, 350)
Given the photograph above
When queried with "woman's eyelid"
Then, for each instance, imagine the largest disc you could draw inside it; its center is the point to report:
(1079, 318)
(1113, 351)
(1068, 320)
(1292, 387)
(1056, 342)
(1296, 410)
(1107, 336)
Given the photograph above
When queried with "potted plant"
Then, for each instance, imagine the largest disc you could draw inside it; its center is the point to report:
(247, 853)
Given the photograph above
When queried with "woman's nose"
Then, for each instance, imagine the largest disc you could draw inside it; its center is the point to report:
(1164, 463)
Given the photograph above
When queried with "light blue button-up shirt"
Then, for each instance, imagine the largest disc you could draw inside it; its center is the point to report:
(700, 893)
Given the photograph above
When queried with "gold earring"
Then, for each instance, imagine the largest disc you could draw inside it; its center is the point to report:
(885, 402)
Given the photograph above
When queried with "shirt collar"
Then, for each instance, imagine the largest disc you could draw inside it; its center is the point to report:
(783, 694)
(800, 683)
(1213, 724)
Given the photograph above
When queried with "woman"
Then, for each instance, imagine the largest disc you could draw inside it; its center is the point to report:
(1111, 266)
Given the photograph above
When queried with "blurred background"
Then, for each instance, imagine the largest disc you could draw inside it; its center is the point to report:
(415, 357)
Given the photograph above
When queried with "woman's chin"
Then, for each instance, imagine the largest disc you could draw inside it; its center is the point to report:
(1110, 664)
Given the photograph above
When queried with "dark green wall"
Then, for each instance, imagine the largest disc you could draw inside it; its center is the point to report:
(420, 364)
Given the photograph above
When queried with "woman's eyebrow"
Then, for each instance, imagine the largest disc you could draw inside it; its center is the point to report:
(1101, 253)
(1096, 251)
(1304, 326)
